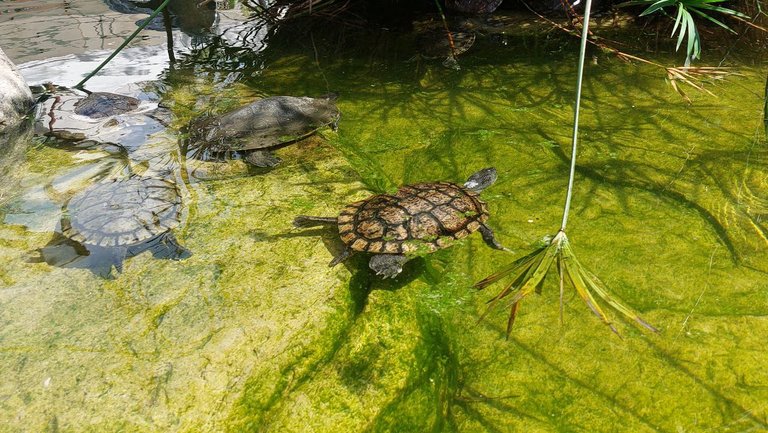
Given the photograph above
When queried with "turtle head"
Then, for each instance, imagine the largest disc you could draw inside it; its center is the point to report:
(481, 180)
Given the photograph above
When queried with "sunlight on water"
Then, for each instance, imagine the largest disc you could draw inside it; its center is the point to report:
(252, 331)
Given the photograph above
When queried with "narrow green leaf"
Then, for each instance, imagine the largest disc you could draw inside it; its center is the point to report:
(693, 38)
(512, 267)
(656, 6)
(683, 28)
(599, 288)
(512, 315)
(714, 20)
(723, 10)
(575, 277)
(635, 3)
(678, 19)
(525, 266)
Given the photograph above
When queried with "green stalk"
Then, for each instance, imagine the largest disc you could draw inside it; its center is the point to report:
(579, 79)
(765, 108)
(126, 42)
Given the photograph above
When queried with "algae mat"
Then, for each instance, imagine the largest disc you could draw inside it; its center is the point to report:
(255, 333)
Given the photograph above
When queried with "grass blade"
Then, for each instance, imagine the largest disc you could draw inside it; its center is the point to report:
(713, 20)
(683, 28)
(694, 52)
(723, 11)
(512, 315)
(656, 6)
(678, 20)
(577, 280)
(599, 288)
(514, 266)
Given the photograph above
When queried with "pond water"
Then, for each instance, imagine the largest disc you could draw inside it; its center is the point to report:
(254, 332)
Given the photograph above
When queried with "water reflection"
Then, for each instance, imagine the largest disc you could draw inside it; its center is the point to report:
(190, 16)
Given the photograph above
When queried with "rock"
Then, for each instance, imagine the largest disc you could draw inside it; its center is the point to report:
(15, 97)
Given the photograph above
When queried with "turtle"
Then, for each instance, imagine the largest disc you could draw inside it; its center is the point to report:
(101, 117)
(435, 41)
(98, 105)
(260, 126)
(418, 218)
(120, 218)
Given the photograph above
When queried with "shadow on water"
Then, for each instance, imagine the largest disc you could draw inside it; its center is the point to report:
(67, 253)
(730, 408)
(741, 229)
(363, 280)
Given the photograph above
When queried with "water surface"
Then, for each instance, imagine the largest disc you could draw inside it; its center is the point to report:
(254, 332)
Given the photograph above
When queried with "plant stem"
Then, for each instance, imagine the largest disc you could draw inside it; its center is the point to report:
(580, 76)
(126, 42)
(765, 107)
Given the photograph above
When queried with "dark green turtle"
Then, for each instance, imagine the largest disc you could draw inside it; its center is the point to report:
(419, 218)
(120, 218)
(98, 105)
(261, 126)
(101, 117)
(435, 41)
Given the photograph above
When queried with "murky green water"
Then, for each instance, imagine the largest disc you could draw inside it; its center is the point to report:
(254, 332)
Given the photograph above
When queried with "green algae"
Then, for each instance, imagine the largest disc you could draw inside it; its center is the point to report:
(255, 333)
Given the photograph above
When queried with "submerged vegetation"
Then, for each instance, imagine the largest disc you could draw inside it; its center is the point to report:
(253, 331)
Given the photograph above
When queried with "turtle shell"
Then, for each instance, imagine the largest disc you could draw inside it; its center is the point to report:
(123, 212)
(434, 43)
(420, 217)
(268, 122)
(98, 105)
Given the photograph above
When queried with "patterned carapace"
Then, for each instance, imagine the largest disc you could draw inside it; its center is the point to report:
(424, 216)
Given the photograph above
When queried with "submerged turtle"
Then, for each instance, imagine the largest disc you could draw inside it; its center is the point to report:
(435, 41)
(262, 125)
(98, 105)
(121, 218)
(100, 116)
(419, 218)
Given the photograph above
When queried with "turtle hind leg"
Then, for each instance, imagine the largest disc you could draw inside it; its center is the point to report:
(162, 246)
(262, 158)
(490, 238)
(167, 247)
(387, 265)
(344, 255)
(302, 221)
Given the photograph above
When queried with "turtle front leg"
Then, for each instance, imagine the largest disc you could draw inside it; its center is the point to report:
(262, 158)
(387, 265)
(490, 238)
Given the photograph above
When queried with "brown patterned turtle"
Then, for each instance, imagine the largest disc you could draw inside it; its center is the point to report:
(419, 218)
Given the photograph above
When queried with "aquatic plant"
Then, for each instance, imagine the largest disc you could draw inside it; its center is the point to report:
(685, 25)
(530, 271)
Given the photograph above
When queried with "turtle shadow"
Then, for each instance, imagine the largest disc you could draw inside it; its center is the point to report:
(363, 280)
(105, 262)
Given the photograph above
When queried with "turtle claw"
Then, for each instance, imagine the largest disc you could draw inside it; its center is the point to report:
(387, 265)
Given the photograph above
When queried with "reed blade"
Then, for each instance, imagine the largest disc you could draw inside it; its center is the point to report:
(576, 279)
(512, 267)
